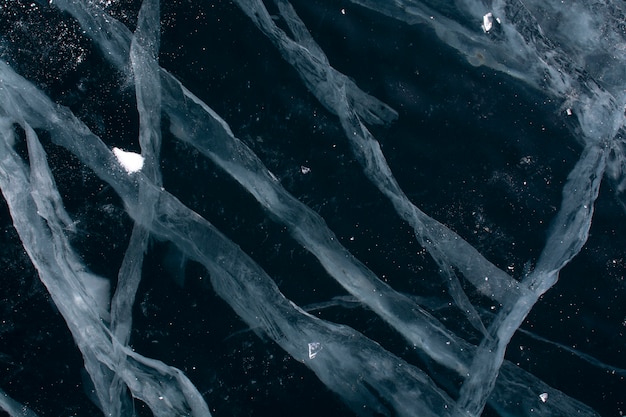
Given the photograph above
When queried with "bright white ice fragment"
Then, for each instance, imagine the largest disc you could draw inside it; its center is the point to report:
(314, 349)
(305, 170)
(130, 161)
(488, 22)
(543, 397)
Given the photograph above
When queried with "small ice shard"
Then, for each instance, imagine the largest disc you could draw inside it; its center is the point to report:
(305, 170)
(314, 349)
(488, 20)
(130, 161)
(543, 397)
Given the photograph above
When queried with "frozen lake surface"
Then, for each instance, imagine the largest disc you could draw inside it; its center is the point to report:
(368, 208)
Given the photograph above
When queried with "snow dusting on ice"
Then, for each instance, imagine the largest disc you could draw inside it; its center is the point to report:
(131, 161)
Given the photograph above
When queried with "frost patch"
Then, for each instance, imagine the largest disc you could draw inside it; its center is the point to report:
(314, 349)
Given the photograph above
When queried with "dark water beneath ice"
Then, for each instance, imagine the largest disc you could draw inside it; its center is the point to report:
(478, 150)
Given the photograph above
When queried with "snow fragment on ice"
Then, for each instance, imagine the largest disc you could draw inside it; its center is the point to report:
(543, 397)
(314, 349)
(130, 161)
(487, 22)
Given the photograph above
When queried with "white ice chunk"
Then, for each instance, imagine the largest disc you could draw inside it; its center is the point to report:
(130, 161)
(487, 22)
(543, 397)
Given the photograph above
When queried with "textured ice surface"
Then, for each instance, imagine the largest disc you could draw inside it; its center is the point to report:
(455, 229)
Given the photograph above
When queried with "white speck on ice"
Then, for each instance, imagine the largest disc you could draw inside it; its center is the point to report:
(314, 349)
(130, 161)
(543, 397)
